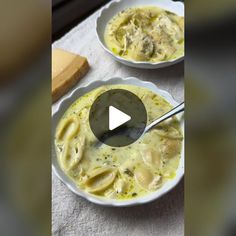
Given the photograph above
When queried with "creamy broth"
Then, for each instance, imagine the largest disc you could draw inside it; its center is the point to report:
(146, 34)
(118, 173)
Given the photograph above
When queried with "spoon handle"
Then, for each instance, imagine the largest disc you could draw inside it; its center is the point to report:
(169, 114)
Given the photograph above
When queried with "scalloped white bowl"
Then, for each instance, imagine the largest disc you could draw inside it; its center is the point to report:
(72, 97)
(113, 8)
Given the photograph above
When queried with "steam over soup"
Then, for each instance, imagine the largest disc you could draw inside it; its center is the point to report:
(118, 173)
(146, 34)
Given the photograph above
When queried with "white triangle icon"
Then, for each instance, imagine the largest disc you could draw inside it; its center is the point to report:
(117, 118)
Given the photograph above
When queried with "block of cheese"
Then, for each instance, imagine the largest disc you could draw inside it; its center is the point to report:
(67, 70)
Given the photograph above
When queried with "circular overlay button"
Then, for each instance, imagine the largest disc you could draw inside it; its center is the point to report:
(118, 118)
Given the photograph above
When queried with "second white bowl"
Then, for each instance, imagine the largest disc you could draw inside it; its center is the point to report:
(110, 10)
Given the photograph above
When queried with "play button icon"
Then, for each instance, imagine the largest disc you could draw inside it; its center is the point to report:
(117, 118)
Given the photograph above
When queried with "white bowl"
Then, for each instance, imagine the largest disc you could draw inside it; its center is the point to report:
(110, 10)
(72, 97)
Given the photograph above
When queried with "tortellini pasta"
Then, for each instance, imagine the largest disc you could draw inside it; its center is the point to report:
(143, 176)
(67, 128)
(100, 179)
(118, 173)
(152, 158)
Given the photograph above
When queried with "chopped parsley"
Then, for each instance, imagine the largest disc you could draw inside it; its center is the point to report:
(129, 173)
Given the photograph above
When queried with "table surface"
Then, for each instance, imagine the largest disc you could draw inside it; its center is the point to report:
(73, 215)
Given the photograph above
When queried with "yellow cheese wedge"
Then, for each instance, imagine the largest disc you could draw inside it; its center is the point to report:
(67, 70)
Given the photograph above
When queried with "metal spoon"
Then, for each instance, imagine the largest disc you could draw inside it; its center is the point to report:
(174, 111)
(168, 115)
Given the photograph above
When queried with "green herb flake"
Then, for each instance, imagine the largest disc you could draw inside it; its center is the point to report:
(129, 173)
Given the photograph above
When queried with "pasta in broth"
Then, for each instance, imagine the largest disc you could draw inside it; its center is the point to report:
(146, 34)
(118, 173)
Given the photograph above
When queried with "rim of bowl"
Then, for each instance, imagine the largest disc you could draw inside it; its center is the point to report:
(68, 100)
(160, 64)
